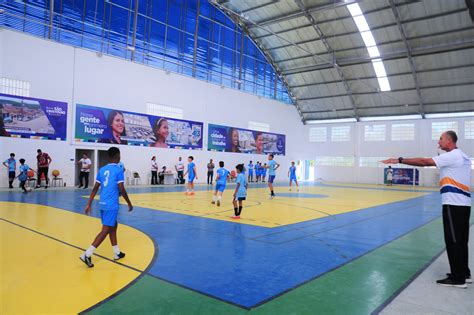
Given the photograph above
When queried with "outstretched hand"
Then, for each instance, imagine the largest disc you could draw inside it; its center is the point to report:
(390, 161)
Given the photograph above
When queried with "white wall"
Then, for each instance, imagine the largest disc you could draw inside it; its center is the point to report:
(76, 76)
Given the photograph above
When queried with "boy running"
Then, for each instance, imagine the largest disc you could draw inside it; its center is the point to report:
(221, 180)
(110, 180)
(272, 167)
(23, 176)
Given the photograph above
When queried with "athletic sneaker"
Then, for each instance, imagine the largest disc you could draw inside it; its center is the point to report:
(468, 278)
(272, 196)
(218, 203)
(192, 193)
(235, 217)
(86, 260)
(448, 282)
(213, 202)
(119, 256)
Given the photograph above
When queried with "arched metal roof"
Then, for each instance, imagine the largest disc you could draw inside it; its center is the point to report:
(427, 49)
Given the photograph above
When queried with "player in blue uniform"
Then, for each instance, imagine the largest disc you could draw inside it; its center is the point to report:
(240, 192)
(264, 172)
(272, 167)
(292, 175)
(192, 175)
(221, 181)
(11, 165)
(110, 181)
(250, 167)
(23, 176)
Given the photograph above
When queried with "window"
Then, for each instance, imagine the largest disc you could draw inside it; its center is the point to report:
(14, 87)
(438, 127)
(163, 110)
(374, 133)
(259, 126)
(345, 161)
(469, 129)
(371, 161)
(341, 133)
(318, 134)
(403, 132)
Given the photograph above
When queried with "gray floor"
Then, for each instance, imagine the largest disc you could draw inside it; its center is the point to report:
(423, 296)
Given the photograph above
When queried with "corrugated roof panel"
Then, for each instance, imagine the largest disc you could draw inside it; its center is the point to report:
(445, 94)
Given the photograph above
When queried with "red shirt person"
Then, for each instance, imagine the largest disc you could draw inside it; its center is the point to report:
(43, 159)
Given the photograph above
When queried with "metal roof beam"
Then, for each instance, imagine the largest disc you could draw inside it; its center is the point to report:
(462, 29)
(374, 78)
(341, 18)
(297, 14)
(422, 51)
(377, 92)
(409, 56)
(386, 106)
(259, 6)
(318, 30)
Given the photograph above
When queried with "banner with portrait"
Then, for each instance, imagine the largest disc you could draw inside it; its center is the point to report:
(403, 176)
(105, 125)
(33, 118)
(238, 140)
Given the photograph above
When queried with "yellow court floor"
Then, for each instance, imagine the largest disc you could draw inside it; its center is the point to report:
(39, 253)
(307, 204)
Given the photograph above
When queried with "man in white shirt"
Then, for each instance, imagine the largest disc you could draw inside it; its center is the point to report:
(86, 165)
(455, 179)
(179, 167)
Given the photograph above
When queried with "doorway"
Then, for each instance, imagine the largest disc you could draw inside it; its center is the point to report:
(91, 156)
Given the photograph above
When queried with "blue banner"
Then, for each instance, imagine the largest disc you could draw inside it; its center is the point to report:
(402, 176)
(105, 125)
(33, 118)
(238, 140)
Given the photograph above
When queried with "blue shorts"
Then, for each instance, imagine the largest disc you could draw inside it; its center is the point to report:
(250, 172)
(220, 187)
(293, 178)
(239, 198)
(109, 217)
(190, 179)
(271, 178)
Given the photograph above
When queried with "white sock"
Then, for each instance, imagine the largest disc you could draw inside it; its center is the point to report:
(219, 198)
(214, 198)
(90, 251)
(116, 249)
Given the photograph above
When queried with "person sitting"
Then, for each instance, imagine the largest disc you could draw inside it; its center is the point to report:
(161, 175)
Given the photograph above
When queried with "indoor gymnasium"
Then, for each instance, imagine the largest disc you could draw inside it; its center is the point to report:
(236, 156)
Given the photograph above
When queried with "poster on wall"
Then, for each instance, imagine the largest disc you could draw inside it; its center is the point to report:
(32, 118)
(403, 176)
(105, 125)
(230, 139)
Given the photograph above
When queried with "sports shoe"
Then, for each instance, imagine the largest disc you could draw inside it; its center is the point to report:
(272, 196)
(235, 217)
(448, 282)
(46, 187)
(213, 202)
(468, 278)
(79, 187)
(119, 256)
(186, 193)
(86, 260)
(192, 193)
(218, 203)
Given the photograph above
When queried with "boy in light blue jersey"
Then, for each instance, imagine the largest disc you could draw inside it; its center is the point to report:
(23, 176)
(272, 167)
(192, 175)
(221, 181)
(240, 192)
(292, 175)
(110, 181)
(257, 171)
(11, 165)
(250, 167)
(264, 172)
